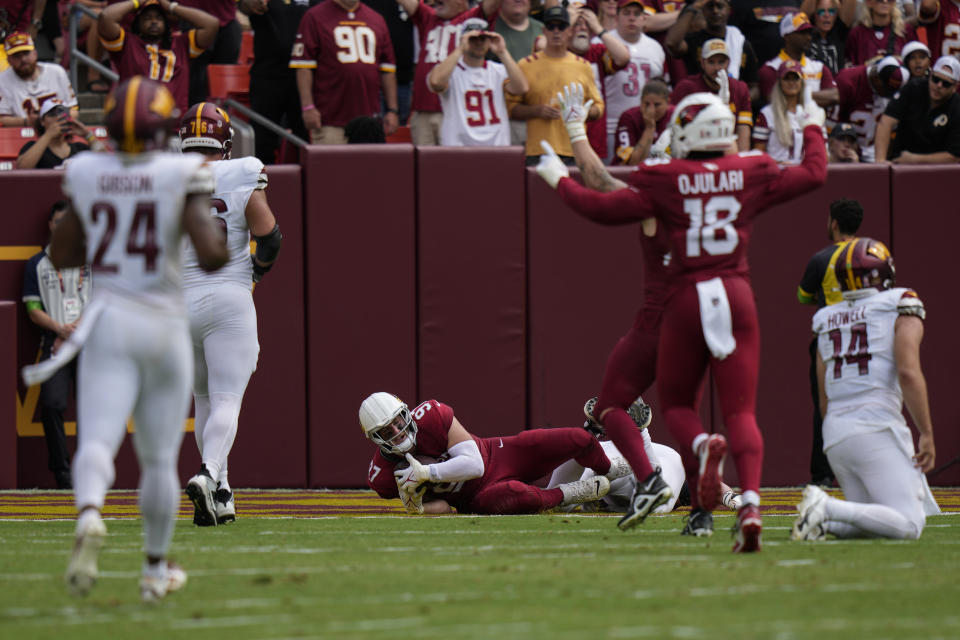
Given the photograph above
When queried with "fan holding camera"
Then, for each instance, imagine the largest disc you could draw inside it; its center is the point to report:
(55, 128)
(471, 89)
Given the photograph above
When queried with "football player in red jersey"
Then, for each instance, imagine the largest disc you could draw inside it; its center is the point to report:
(705, 200)
(151, 48)
(471, 474)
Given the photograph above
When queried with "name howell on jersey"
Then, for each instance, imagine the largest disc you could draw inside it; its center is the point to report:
(843, 318)
(713, 182)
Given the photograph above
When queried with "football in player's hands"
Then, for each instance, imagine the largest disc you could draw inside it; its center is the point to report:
(413, 472)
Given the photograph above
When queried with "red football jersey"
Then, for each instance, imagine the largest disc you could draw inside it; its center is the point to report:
(603, 66)
(433, 429)
(943, 34)
(347, 50)
(706, 206)
(132, 56)
(859, 106)
(630, 127)
(739, 96)
(437, 39)
(223, 10)
(866, 43)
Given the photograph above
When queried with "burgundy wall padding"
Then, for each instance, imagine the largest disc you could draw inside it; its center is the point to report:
(8, 405)
(925, 229)
(361, 297)
(471, 229)
(783, 240)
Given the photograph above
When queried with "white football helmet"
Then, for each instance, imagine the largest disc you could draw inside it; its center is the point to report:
(701, 122)
(386, 420)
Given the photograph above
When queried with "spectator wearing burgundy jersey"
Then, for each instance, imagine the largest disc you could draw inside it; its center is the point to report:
(640, 127)
(831, 25)
(797, 35)
(225, 49)
(714, 61)
(151, 48)
(439, 36)
(941, 20)
(343, 58)
(916, 57)
(861, 96)
(926, 115)
(880, 31)
(273, 84)
(685, 40)
(17, 15)
(607, 56)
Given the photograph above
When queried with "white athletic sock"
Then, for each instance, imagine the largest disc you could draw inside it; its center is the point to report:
(93, 473)
(220, 431)
(159, 503)
(201, 413)
(877, 519)
(699, 440)
(750, 497)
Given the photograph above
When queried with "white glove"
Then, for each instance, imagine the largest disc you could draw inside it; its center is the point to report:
(413, 502)
(812, 114)
(551, 167)
(724, 92)
(661, 148)
(573, 111)
(410, 479)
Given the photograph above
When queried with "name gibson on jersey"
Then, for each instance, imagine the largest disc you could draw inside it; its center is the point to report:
(125, 183)
(713, 182)
(840, 318)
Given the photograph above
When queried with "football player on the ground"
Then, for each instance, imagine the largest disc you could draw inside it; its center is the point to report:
(704, 201)
(471, 474)
(868, 367)
(128, 213)
(223, 319)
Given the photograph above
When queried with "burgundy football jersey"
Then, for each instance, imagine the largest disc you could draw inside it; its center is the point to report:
(866, 43)
(859, 106)
(603, 66)
(630, 127)
(433, 429)
(943, 35)
(132, 56)
(437, 39)
(347, 50)
(739, 96)
(225, 11)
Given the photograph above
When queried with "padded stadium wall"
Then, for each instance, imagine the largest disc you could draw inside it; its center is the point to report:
(458, 275)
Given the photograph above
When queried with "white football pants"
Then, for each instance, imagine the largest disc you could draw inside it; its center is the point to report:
(223, 326)
(884, 492)
(136, 361)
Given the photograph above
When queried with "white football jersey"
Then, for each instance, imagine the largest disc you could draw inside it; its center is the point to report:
(21, 98)
(855, 338)
(622, 89)
(234, 183)
(474, 109)
(812, 73)
(131, 208)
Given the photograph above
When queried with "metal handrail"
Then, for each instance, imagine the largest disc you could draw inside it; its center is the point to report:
(77, 56)
(267, 124)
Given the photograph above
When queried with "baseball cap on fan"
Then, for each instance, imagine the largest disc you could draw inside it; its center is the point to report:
(843, 130)
(790, 66)
(16, 42)
(714, 47)
(52, 105)
(556, 14)
(912, 47)
(794, 23)
(947, 67)
(474, 24)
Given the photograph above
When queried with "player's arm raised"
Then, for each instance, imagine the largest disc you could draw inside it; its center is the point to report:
(439, 77)
(207, 25)
(108, 24)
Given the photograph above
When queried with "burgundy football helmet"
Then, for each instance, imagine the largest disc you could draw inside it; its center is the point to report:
(865, 263)
(206, 127)
(139, 113)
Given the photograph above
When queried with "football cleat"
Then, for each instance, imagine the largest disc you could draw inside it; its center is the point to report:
(82, 569)
(813, 512)
(647, 496)
(639, 411)
(200, 490)
(619, 468)
(592, 425)
(747, 529)
(712, 453)
(586, 490)
(699, 523)
(155, 584)
(226, 511)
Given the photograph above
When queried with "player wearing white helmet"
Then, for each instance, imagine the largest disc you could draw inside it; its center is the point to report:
(868, 367)
(705, 200)
(223, 319)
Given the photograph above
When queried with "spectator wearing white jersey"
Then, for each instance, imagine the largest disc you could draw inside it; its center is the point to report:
(647, 60)
(471, 89)
(797, 34)
(27, 83)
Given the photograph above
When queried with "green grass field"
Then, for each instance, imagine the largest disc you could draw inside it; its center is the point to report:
(550, 576)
